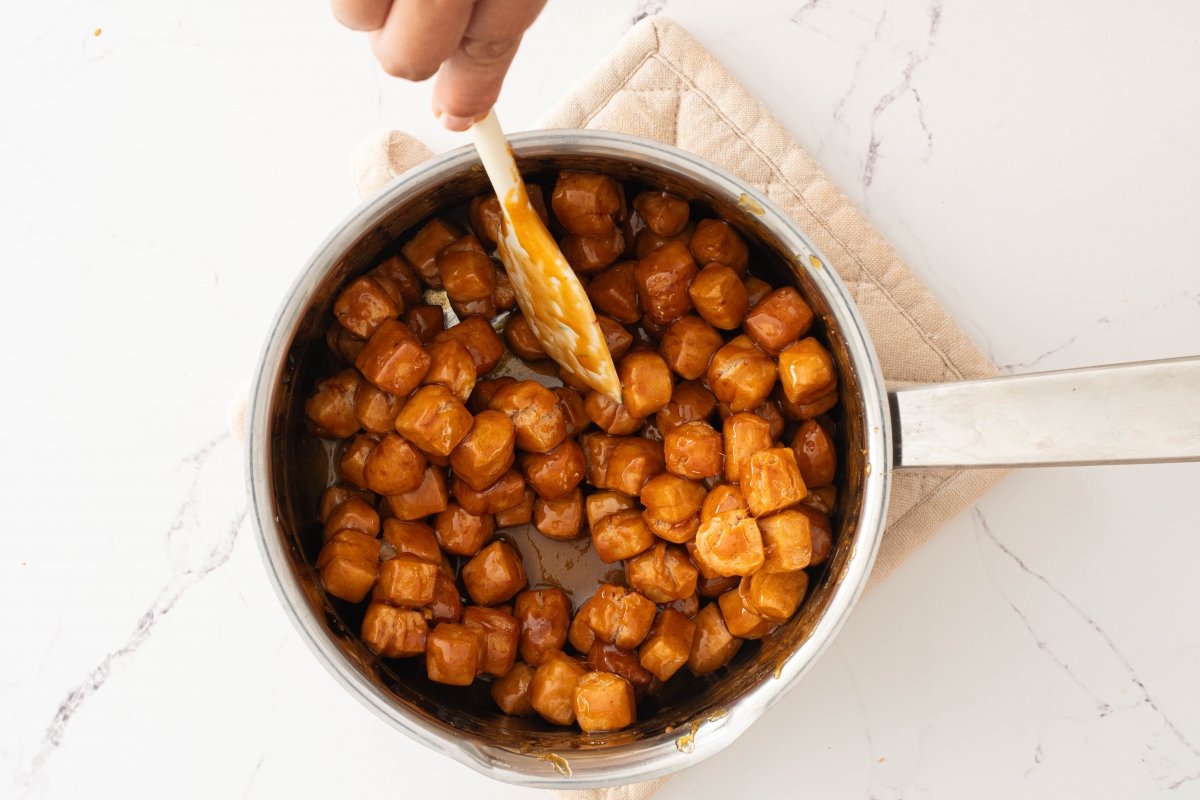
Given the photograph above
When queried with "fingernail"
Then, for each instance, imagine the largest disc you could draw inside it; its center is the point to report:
(457, 123)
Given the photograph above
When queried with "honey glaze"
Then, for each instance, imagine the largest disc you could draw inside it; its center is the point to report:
(560, 764)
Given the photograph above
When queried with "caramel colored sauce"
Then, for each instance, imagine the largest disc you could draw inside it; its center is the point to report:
(560, 764)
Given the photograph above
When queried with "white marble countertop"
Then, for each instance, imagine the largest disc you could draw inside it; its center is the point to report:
(167, 167)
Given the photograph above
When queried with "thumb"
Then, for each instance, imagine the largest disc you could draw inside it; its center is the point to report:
(469, 82)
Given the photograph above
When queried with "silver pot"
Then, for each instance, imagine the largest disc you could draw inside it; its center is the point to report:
(1142, 412)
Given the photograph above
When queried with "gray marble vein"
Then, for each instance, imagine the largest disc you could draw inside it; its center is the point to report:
(1106, 675)
(647, 8)
(904, 86)
(185, 573)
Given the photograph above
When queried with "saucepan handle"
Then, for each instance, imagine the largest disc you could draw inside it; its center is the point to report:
(1142, 412)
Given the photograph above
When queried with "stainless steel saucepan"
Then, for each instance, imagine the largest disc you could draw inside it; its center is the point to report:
(1126, 413)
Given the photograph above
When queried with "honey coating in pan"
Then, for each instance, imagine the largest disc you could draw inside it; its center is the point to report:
(710, 489)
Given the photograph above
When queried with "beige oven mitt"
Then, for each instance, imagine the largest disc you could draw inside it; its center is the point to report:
(661, 84)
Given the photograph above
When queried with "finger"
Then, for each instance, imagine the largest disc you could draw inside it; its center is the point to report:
(470, 80)
(419, 35)
(361, 15)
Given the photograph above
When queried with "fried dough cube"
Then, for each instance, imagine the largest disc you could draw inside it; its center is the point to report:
(586, 203)
(722, 497)
(714, 587)
(614, 292)
(646, 381)
(505, 297)
(557, 472)
(451, 366)
(430, 497)
(771, 481)
(729, 543)
(506, 492)
(693, 450)
(612, 417)
(412, 538)
(406, 581)
(588, 254)
(608, 658)
(806, 371)
(633, 461)
(561, 518)
(349, 565)
(342, 343)
(621, 535)
(353, 462)
(603, 701)
(393, 359)
(579, 634)
(446, 605)
(690, 402)
(713, 646)
(552, 690)
(330, 410)
(787, 541)
(461, 533)
(821, 498)
(744, 435)
(364, 305)
(425, 321)
(396, 270)
(822, 534)
(481, 340)
(741, 374)
(688, 346)
(616, 337)
(648, 241)
(599, 505)
(545, 615)
(571, 403)
(669, 644)
(671, 498)
(394, 632)
(740, 620)
(339, 493)
(815, 454)
(466, 271)
(675, 532)
(688, 606)
(663, 278)
(486, 218)
(485, 308)
(454, 654)
(664, 213)
(664, 573)
(375, 409)
(511, 692)
(486, 452)
(494, 575)
(715, 240)
(394, 466)
(434, 420)
(520, 514)
(597, 450)
(774, 596)
(520, 338)
(422, 250)
(719, 296)
(484, 390)
(353, 513)
(535, 414)
(620, 617)
(500, 634)
(756, 289)
(779, 319)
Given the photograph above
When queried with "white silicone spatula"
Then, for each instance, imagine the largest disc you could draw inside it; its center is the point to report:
(547, 289)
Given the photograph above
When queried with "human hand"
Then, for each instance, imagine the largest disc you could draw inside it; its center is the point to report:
(469, 44)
